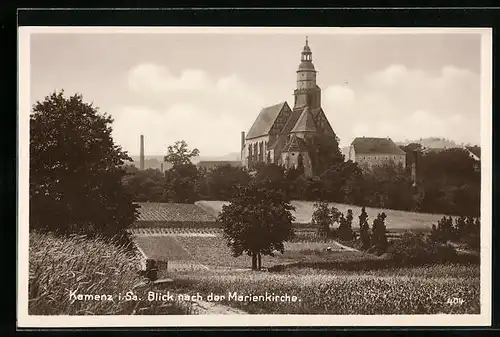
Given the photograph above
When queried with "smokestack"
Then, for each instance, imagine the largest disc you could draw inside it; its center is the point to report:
(242, 144)
(162, 167)
(141, 165)
(414, 168)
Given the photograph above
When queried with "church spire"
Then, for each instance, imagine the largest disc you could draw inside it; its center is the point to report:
(306, 92)
(306, 52)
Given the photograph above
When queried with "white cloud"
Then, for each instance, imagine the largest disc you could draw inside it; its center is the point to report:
(405, 103)
(208, 113)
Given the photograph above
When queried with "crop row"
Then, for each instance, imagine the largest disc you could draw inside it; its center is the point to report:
(174, 231)
(344, 294)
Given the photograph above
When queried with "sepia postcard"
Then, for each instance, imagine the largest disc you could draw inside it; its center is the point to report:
(249, 176)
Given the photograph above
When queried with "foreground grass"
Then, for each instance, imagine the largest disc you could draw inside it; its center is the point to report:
(60, 268)
(422, 290)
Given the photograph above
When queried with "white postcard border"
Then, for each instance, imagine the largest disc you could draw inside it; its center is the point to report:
(26, 321)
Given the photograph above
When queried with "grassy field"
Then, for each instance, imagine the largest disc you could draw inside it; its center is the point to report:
(61, 265)
(396, 220)
(424, 290)
(173, 212)
(213, 252)
(63, 268)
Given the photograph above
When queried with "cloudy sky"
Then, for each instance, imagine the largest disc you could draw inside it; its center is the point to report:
(207, 88)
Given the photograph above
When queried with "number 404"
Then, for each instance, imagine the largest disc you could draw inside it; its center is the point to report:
(455, 301)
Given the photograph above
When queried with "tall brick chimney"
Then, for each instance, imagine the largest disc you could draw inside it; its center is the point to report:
(242, 144)
(414, 167)
(141, 163)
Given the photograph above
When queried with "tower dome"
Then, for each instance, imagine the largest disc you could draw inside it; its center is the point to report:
(306, 58)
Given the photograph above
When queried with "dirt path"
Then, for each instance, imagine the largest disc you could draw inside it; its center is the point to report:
(210, 308)
(346, 248)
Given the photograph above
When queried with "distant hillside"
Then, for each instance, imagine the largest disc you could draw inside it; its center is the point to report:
(433, 143)
(154, 161)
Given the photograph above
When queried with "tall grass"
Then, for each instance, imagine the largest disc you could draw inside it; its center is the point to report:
(61, 266)
(396, 291)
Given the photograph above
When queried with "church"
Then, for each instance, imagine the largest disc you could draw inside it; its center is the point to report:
(281, 133)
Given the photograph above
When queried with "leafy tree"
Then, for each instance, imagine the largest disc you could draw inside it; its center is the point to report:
(324, 152)
(322, 218)
(273, 176)
(388, 186)
(257, 221)
(364, 229)
(223, 181)
(181, 183)
(291, 175)
(451, 182)
(379, 234)
(341, 181)
(76, 169)
(179, 154)
(144, 185)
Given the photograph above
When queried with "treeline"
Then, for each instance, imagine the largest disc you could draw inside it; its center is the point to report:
(411, 248)
(448, 182)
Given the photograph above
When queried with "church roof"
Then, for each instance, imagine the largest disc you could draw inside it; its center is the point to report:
(295, 144)
(305, 122)
(292, 120)
(265, 120)
(368, 145)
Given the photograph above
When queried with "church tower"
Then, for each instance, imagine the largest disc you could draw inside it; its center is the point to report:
(307, 92)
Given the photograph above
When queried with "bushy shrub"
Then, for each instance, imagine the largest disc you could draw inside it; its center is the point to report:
(417, 248)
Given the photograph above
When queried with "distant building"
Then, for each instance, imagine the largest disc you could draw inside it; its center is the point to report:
(280, 134)
(475, 153)
(209, 165)
(368, 152)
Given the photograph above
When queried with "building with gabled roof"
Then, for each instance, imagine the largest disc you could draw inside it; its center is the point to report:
(281, 134)
(474, 152)
(370, 151)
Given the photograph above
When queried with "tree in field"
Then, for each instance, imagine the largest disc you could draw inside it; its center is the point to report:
(364, 229)
(179, 154)
(345, 228)
(322, 218)
(76, 169)
(257, 221)
(182, 179)
(379, 235)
